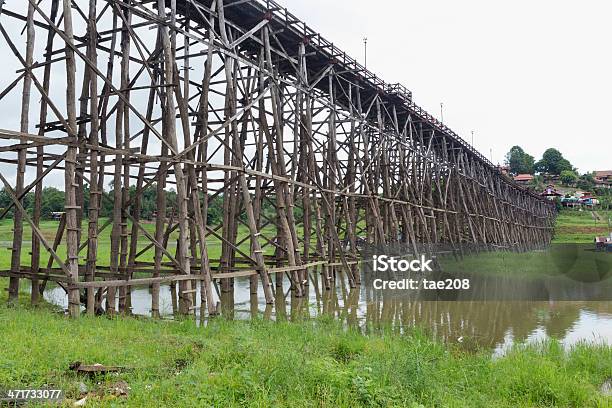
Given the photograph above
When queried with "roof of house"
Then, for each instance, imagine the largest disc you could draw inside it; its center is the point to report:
(523, 177)
(603, 173)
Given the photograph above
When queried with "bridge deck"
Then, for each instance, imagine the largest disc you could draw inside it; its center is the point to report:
(291, 31)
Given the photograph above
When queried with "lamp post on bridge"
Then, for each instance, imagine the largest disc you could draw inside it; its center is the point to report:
(365, 52)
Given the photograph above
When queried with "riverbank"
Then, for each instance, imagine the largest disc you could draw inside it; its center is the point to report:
(314, 362)
(581, 227)
(310, 363)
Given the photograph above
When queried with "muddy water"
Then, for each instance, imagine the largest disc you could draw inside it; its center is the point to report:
(495, 325)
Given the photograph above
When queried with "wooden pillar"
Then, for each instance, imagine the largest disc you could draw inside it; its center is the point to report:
(70, 184)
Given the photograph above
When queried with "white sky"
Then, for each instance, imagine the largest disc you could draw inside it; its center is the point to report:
(536, 73)
(530, 73)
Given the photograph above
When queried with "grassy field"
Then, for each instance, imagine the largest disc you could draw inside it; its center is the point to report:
(572, 227)
(574, 232)
(49, 229)
(575, 226)
(312, 363)
(562, 260)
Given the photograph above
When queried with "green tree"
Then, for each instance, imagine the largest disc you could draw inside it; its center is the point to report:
(6, 202)
(537, 183)
(586, 182)
(53, 200)
(553, 162)
(215, 209)
(519, 161)
(568, 177)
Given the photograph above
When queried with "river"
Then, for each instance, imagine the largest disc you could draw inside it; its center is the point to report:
(494, 325)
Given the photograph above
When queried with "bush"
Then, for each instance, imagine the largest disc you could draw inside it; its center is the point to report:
(568, 177)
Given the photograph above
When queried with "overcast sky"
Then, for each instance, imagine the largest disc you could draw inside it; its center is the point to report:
(531, 73)
(537, 73)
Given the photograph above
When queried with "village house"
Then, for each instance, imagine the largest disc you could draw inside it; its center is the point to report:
(587, 199)
(550, 178)
(523, 179)
(505, 170)
(580, 198)
(603, 178)
(550, 192)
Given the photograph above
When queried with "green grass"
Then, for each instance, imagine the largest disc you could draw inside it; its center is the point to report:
(573, 226)
(312, 363)
(298, 364)
(49, 229)
(563, 260)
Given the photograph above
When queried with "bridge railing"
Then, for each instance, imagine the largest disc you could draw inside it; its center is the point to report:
(282, 16)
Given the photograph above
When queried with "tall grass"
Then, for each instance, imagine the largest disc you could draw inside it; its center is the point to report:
(313, 363)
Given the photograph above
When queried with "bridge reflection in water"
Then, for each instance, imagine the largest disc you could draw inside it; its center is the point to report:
(493, 325)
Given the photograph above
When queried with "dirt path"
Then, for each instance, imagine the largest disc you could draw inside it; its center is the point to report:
(582, 230)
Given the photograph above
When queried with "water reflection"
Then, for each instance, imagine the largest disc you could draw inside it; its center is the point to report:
(474, 324)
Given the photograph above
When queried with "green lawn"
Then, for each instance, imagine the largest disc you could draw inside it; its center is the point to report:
(560, 260)
(572, 226)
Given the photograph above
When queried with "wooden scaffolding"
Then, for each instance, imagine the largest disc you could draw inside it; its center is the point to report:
(236, 101)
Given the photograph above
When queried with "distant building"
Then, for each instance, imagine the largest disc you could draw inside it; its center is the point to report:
(570, 202)
(57, 215)
(603, 178)
(524, 179)
(505, 170)
(586, 198)
(550, 178)
(580, 198)
(550, 193)
(582, 194)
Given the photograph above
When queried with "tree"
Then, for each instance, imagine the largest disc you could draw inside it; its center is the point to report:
(53, 200)
(568, 177)
(553, 162)
(586, 182)
(519, 161)
(6, 202)
(537, 183)
(215, 209)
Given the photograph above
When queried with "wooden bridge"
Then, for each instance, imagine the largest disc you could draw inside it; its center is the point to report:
(237, 101)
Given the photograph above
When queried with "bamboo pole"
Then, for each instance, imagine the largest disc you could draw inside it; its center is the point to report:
(13, 289)
(286, 138)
